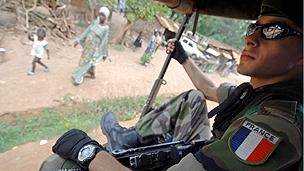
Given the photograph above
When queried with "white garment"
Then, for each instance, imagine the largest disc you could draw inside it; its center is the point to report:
(105, 11)
(39, 47)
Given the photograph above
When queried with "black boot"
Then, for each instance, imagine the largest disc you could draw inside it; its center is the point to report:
(118, 137)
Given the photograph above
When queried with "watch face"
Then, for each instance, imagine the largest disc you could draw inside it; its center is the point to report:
(86, 152)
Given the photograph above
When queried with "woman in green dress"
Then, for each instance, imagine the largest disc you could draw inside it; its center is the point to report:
(94, 41)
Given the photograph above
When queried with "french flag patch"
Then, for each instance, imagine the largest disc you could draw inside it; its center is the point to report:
(253, 144)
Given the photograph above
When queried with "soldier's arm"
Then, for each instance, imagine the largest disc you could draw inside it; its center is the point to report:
(103, 161)
(270, 139)
(200, 80)
(189, 162)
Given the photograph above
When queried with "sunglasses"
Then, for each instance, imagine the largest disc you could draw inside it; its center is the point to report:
(273, 31)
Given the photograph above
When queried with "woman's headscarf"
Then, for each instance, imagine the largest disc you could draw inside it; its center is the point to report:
(105, 11)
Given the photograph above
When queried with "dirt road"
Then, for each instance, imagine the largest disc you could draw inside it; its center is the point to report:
(123, 76)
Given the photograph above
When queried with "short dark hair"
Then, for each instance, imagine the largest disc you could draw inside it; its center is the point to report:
(41, 32)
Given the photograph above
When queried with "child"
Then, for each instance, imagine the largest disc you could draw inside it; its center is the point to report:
(40, 46)
(138, 41)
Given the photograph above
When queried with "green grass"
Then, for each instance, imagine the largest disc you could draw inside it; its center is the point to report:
(69, 114)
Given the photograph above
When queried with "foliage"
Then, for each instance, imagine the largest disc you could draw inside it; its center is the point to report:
(229, 31)
(145, 10)
(71, 113)
(135, 9)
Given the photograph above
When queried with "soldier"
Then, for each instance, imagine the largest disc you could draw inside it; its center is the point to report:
(257, 127)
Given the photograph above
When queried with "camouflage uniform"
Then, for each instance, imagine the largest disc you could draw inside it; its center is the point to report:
(182, 118)
(55, 163)
(265, 135)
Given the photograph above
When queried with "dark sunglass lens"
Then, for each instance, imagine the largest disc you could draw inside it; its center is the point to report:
(251, 29)
(273, 31)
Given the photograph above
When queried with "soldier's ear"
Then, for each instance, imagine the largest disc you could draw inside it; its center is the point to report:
(300, 61)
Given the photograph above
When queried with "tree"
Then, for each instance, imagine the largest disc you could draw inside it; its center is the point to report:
(229, 31)
(145, 10)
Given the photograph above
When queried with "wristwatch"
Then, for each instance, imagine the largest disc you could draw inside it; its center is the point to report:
(87, 153)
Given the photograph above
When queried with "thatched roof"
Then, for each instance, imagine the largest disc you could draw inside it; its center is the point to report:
(168, 23)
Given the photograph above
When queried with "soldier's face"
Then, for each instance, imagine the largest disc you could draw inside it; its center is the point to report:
(268, 59)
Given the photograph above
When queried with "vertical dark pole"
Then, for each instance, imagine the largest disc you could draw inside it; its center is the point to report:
(160, 80)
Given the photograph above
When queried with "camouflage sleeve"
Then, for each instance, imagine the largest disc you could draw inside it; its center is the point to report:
(266, 140)
(224, 90)
(189, 162)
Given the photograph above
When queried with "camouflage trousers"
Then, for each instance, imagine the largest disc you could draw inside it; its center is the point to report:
(182, 118)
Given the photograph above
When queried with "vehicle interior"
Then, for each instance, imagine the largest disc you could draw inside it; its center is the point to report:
(239, 9)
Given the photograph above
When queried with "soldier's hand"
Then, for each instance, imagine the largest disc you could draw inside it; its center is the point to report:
(177, 51)
(77, 146)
